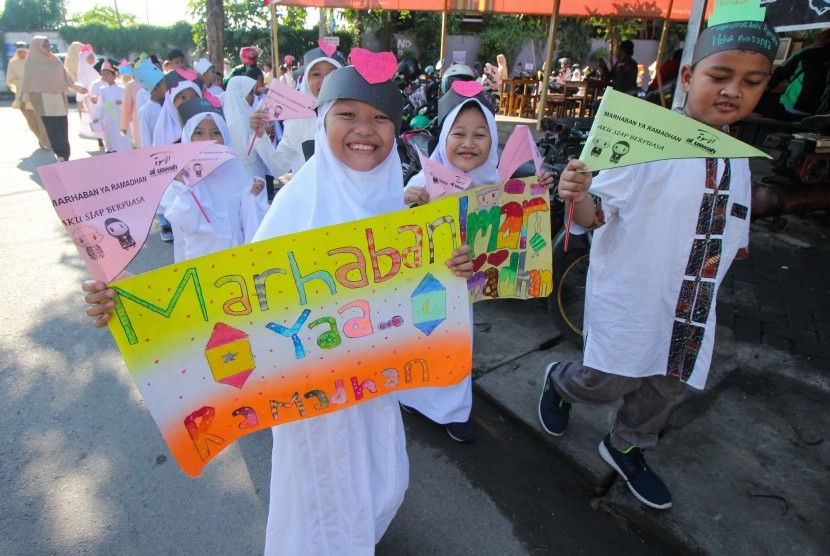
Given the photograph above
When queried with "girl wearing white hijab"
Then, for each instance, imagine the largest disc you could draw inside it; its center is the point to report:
(488, 171)
(290, 155)
(218, 211)
(468, 143)
(237, 105)
(337, 480)
(169, 127)
(89, 77)
(73, 56)
(168, 130)
(43, 88)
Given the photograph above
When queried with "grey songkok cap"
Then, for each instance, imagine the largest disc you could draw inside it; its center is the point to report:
(755, 36)
(347, 83)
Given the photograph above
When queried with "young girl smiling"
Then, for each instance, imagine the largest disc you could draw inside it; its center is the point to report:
(468, 143)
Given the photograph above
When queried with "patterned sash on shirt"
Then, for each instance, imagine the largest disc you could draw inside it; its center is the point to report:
(699, 287)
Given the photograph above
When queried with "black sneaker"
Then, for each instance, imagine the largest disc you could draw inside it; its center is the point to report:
(553, 410)
(166, 234)
(641, 480)
(461, 432)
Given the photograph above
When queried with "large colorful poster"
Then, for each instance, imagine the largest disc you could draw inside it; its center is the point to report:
(507, 225)
(295, 327)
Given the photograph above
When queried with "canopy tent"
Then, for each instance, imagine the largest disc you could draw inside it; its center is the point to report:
(783, 15)
(650, 9)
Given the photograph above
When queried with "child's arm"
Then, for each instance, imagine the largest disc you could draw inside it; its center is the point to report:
(461, 263)
(573, 188)
(99, 297)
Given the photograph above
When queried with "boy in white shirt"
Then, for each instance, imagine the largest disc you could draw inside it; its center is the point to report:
(107, 110)
(667, 232)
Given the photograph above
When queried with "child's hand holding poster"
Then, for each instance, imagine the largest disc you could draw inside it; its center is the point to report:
(507, 225)
(284, 103)
(626, 131)
(275, 331)
(107, 203)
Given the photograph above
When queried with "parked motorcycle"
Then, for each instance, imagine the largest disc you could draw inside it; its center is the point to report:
(801, 173)
(420, 92)
(563, 140)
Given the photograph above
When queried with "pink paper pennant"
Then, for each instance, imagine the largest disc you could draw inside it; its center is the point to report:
(440, 180)
(327, 48)
(107, 203)
(375, 67)
(520, 148)
(285, 103)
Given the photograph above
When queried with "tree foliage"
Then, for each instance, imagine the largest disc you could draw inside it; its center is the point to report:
(102, 15)
(33, 15)
(425, 30)
(505, 34)
(573, 35)
(128, 42)
(249, 24)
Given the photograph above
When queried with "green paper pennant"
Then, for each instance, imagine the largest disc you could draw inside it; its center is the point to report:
(628, 131)
(727, 11)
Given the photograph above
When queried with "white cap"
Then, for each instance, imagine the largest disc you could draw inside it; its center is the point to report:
(203, 65)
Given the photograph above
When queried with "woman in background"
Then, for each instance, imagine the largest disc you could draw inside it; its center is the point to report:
(14, 78)
(44, 86)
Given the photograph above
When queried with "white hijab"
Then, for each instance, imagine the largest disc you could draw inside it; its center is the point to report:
(304, 129)
(192, 123)
(484, 174)
(304, 88)
(326, 192)
(238, 113)
(87, 74)
(222, 196)
(169, 127)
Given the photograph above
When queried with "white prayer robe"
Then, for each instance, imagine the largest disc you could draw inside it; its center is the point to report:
(337, 480)
(238, 115)
(89, 77)
(108, 113)
(453, 404)
(289, 155)
(656, 266)
(217, 212)
(148, 116)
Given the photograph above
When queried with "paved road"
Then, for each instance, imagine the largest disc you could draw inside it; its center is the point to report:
(83, 469)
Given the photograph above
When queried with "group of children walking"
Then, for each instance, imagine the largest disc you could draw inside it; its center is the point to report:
(665, 235)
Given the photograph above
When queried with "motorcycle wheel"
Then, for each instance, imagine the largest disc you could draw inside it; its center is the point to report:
(566, 304)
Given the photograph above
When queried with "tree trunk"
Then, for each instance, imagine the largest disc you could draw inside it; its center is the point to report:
(215, 30)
